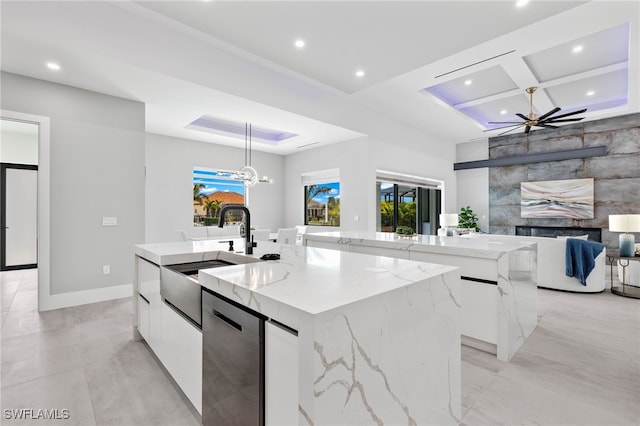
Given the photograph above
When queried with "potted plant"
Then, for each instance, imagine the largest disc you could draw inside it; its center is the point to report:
(405, 231)
(468, 219)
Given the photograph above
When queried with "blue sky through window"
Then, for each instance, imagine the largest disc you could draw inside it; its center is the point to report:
(214, 181)
(335, 192)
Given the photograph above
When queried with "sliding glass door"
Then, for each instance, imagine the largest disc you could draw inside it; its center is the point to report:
(407, 205)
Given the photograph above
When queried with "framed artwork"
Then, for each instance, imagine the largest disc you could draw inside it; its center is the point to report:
(572, 198)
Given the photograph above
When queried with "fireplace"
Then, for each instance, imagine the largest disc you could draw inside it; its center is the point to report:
(595, 234)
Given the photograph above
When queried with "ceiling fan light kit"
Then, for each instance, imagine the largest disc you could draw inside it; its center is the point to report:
(547, 120)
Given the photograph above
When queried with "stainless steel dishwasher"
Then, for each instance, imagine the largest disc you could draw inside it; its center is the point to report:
(232, 363)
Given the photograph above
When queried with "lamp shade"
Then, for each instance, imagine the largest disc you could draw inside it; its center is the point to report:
(624, 222)
(448, 219)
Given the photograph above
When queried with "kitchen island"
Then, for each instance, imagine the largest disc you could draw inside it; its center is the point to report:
(378, 338)
(498, 279)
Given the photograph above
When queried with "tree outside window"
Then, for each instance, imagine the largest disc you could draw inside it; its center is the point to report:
(322, 204)
(211, 191)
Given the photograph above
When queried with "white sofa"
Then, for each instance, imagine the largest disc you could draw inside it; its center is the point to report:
(551, 271)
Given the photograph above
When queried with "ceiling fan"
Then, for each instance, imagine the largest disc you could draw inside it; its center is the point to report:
(533, 120)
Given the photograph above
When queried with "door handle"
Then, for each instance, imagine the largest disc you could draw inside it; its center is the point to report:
(227, 320)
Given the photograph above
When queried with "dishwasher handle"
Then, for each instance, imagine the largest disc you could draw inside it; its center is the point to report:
(227, 320)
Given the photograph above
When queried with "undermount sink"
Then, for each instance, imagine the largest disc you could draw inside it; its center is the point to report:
(179, 285)
(191, 269)
(223, 258)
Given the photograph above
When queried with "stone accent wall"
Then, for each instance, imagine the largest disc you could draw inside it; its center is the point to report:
(616, 175)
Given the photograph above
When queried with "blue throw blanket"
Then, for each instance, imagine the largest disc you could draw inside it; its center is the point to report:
(581, 258)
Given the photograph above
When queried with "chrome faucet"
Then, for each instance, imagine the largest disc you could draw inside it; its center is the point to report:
(249, 245)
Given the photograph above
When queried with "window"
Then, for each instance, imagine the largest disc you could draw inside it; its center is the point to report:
(402, 196)
(405, 200)
(322, 204)
(212, 190)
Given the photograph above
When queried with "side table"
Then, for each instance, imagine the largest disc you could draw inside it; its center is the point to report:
(624, 290)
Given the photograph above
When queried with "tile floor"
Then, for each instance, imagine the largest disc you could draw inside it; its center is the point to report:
(581, 366)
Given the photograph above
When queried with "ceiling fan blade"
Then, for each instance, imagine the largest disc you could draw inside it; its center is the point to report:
(569, 113)
(564, 120)
(527, 129)
(504, 122)
(504, 127)
(553, 111)
(510, 130)
(547, 125)
(524, 117)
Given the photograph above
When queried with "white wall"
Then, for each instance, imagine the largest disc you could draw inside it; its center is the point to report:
(473, 184)
(169, 184)
(18, 148)
(432, 159)
(352, 160)
(358, 161)
(96, 170)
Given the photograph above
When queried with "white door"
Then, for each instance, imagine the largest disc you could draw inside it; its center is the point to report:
(20, 214)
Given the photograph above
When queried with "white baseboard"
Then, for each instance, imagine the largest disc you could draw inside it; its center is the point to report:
(492, 348)
(47, 302)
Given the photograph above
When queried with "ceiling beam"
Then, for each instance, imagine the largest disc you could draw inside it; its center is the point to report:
(596, 151)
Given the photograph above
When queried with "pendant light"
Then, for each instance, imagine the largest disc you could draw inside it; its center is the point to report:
(247, 174)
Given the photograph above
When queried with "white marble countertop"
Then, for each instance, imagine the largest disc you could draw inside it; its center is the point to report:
(185, 251)
(482, 246)
(309, 280)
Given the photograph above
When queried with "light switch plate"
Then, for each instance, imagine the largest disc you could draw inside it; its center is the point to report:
(109, 221)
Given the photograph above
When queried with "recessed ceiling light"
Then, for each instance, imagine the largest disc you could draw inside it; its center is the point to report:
(503, 112)
(467, 82)
(299, 43)
(521, 3)
(591, 93)
(577, 49)
(360, 73)
(53, 66)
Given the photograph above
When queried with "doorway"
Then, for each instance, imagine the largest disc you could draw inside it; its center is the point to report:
(412, 205)
(19, 146)
(19, 216)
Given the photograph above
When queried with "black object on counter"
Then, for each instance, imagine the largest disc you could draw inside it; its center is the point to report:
(270, 256)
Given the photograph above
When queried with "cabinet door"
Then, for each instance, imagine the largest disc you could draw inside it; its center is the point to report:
(148, 285)
(190, 362)
(169, 342)
(281, 376)
(143, 317)
(148, 278)
(182, 354)
(155, 324)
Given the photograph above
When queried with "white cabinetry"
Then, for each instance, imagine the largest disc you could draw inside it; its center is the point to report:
(281, 376)
(149, 287)
(143, 317)
(174, 340)
(182, 355)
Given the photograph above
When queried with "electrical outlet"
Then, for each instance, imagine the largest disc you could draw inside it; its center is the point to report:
(106, 270)
(110, 221)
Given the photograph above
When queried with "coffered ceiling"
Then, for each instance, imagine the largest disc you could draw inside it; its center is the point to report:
(443, 68)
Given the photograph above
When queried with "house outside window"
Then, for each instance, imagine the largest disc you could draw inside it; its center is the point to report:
(212, 190)
(322, 204)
